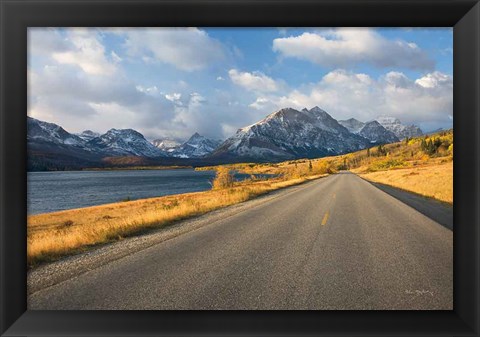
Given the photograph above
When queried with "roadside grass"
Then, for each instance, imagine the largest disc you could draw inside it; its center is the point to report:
(423, 165)
(434, 181)
(53, 235)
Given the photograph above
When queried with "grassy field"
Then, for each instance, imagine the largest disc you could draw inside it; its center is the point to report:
(423, 165)
(434, 181)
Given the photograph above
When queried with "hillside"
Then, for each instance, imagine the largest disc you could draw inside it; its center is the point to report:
(423, 165)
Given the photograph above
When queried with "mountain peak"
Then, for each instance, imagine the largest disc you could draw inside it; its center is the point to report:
(320, 113)
(88, 135)
(353, 125)
(376, 133)
(125, 142)
(166, 144)
(50, 132)
(196, 146)
(316, 108)
(289, 133)
(353, 120)
(400, 130)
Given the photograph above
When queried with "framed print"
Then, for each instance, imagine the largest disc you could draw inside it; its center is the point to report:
(239, 168)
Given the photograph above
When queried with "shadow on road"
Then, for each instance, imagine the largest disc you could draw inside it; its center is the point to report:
(435, 210)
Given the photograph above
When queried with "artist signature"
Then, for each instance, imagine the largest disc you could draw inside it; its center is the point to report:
(419, 292)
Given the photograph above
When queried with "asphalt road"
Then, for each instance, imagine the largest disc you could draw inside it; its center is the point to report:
(334, 243)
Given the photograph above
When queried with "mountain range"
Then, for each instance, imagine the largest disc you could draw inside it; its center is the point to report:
(196, 146)
(284, 134)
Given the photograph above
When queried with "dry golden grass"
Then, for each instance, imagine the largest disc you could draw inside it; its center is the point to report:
(52, 235)
(435, 180)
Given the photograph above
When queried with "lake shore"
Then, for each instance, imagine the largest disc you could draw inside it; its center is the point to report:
(53, 235)
(137, 168)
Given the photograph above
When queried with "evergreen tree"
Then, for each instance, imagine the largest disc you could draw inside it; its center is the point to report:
(381, 150)
(430, 147)
(423, 145)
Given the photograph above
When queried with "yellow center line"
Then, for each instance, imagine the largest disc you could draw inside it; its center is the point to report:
(325, 218)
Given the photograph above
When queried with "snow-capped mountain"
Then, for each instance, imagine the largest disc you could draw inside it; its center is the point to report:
(125, 142)
(166, 144)
(289, 133)
(88, 135)
(377, 134)
(52, 147)
(353, 125)
(284, 134)
(40, 131)
(196, 146)
(401, 131)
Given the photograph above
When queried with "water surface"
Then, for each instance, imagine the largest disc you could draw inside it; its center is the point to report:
(61, 190)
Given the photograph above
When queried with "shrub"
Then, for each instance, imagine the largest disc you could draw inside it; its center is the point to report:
(67, 223)
(323, 167)
(223, 178)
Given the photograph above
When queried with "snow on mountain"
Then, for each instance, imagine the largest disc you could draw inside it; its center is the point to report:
(196, 146)
(376, 133)
(88, 135)
(284, 134)
(401, 131)
(125, 142)
(166, 144)
(52, 137)
(289, 133)
(352, 125)
(40, 131)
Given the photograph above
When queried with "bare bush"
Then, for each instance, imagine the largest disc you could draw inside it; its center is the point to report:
(223, 178)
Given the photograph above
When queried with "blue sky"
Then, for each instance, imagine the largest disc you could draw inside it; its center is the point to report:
(172, 82)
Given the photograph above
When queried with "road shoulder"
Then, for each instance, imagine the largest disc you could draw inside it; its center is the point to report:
(436, 210)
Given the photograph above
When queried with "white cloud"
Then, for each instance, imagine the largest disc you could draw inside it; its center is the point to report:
(348, 46)
(148, 90)
(434, 80)
(115, 57)
(42, 41)
(174, 97)
(427, 101)
(187, 49)
(76, 80)
(261, 103)
(255, 81)
(86, 52)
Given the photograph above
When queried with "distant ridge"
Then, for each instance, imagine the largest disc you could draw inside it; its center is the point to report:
(284, 134)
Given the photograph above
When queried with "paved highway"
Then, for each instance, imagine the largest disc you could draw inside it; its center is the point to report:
(334, 243)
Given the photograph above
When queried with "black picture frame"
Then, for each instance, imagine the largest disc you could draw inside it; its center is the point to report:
(16, 16)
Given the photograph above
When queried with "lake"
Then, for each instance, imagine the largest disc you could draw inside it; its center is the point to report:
(61, 190)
